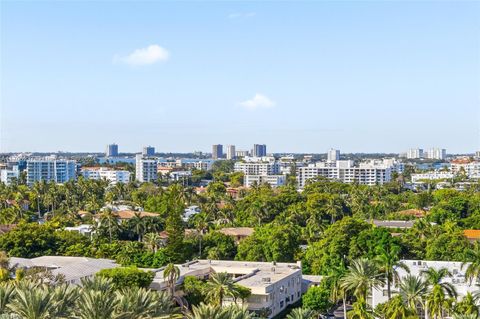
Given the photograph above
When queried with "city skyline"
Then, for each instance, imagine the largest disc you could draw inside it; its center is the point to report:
(183, 76)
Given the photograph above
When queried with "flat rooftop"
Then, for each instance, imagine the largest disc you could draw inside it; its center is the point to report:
(248, 274)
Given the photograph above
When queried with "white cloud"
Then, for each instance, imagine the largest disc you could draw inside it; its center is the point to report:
(259, 101)
(241, 15)
(144, 56)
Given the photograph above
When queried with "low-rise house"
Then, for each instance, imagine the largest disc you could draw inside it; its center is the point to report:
(401, 224)
(129, 214)
(238, 233)
(189, 212)
(458, 280)
(71, 269)
(472, 235)
(273, 286)
(83, 229)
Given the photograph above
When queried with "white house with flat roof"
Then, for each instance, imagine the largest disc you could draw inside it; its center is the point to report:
(273, 286)
(416, 267)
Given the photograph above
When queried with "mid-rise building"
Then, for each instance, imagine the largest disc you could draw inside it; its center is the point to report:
(471, 168)
(111, 175)
(274, 286)
(436, 153)
(367, 173)
(51, 170)
(258, 168)
(240, 154)
(272, 180)
(431, 176)
(259, 150)
(8, 174)
(231, 152)
(217, 151)
(112, 150)
(200, 164)
(333, 155)
(415, 153)
(148, 151)
(146, 169)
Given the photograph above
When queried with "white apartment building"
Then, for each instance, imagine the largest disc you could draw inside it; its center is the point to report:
(148, 151)
(273, 180)
(111, 150)
(260, 170)
(111, 175)
(288, 164)
(431, 176)
(8, 174)
(50, 169)
(273, 286)
(231, 154)
(368, 173)
(415, 153)
(416, 267)
(146, 169)
(471, 169)
(436, 153)
(249, 167)
(180, 175)
(200, 164)
(333, 155)
(239, 153)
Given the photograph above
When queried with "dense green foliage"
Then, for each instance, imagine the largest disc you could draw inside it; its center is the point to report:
(128, 277)
(327, 226)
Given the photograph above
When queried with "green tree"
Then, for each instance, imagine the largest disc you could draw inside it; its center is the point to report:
(127, 277)
(302, 313)
(362, 275)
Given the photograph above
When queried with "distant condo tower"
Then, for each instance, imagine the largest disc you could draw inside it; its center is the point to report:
(231, 152)
(259, 150)
(112, 150)
(217, 151)
(148, 151)
(333, 155)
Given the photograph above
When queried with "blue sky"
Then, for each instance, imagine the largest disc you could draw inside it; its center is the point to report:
(298, 76)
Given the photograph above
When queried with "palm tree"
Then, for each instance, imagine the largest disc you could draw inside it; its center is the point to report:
(171, 274)
(396, 308)
(468, 305)
(361, 310)
(440, 292)
(138, 224)
(201, 222)
(152, 240)
(97, 283)
(109, 220)
(302, 313)
(389, 261)
(464, 316)
(413, 289)
(219, 286)
(139, 303)
(7, 293)
(35, 303)
(362, 275)
(209, 311)
(473, 267)
(333, 207)
(204, 311)
(64, 298)
(95, 304)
